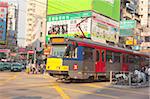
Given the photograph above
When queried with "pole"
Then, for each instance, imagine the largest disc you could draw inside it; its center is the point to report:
(35, 56)
(27, 58)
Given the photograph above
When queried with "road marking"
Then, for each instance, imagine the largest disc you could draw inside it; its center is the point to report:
(92, 93)
(9, 79)
(61, 92)
(121, 90)
(58, 89)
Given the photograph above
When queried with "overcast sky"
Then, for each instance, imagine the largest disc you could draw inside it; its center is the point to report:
(21, 22)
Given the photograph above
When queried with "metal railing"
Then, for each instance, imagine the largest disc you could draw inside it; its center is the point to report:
(126, 78)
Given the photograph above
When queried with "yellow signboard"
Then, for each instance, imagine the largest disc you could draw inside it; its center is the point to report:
(130, 42)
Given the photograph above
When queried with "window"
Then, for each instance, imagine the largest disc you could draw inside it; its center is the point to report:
(40, 34)
(71, 51)
(40, 44)
(147, 38)
(103, 55)
(116, 57)
(88, 54)
(97, 55)
(141, 9)
(109, 56)
(142, 2)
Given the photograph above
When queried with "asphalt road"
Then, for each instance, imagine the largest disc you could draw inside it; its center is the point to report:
(19, 85)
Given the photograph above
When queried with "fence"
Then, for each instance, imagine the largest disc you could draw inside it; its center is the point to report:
(127, 78)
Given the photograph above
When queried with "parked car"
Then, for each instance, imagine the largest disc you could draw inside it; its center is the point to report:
(16, 67)
(1, 66)
(6, 66)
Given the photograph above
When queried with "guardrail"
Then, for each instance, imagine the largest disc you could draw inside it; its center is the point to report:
(126, 78)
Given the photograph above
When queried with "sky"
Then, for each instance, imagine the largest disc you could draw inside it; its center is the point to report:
(21, 21)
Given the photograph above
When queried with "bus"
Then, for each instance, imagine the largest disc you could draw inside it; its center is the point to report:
(85, 59)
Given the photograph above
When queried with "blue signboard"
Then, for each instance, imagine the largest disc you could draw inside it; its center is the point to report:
(3, 23)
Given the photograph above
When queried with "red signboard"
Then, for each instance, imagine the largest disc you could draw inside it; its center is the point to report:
(30, 52)
(4, 50)
(21, 50)
(3, 4)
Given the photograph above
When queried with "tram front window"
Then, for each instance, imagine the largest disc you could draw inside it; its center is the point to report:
(71, 52)
(58, 51)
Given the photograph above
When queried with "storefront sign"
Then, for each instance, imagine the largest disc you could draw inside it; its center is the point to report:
(30, 52)
(47, 50)
(130, 42)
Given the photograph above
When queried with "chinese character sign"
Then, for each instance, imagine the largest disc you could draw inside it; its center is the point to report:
(65, 25)
(3, 13)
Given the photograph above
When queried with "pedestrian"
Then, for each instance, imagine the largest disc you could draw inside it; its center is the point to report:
(41, 68)
(149, 73)
(28, 68)
(33, 68)
(146, 72)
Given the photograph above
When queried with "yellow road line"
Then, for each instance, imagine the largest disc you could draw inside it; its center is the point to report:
(121, 90)
(61, 92)
(58, 89)
(92, 93)
(9, 79)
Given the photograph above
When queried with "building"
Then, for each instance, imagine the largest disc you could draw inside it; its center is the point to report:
(3, 22)
(12, 25)
(131, 10)
(145, 22)
(35, 24)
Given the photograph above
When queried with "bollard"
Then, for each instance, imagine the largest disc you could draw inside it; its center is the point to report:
(129, 79)
(111, 77)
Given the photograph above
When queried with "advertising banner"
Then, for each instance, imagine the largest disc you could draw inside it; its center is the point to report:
(3, 12)
(109, 8)
(65, 25)
(104, 29)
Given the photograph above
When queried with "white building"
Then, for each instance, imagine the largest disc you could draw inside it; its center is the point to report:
(36, 23)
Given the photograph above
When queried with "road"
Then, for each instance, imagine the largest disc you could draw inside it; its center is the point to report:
(19, 85)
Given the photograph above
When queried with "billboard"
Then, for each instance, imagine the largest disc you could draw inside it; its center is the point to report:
(109, 8)
(3, 23)
(65, 25)
(126, 27)
(104, 29)
(127, 24)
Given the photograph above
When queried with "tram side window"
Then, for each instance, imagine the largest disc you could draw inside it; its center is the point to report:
(132, 59)
(116, 57)
(109, 57)
(97, 55)
(103, 55)
(88, 54)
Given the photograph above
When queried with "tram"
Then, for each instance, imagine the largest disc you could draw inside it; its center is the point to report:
(86, 59)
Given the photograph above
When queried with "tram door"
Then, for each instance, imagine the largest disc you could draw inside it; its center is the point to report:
(100, 60)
